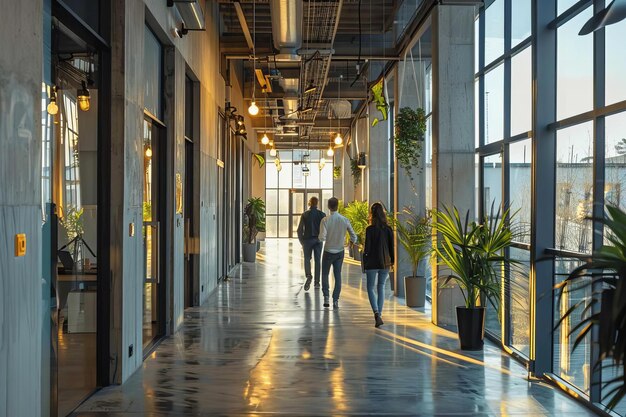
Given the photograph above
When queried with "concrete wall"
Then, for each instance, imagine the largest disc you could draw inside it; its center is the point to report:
(21, 292)
(453, 130)
(198, 54)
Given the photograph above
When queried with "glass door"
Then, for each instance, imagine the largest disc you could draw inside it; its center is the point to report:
(152, 304)
(299, 203)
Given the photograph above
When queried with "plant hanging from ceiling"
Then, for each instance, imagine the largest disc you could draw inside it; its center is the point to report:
(409, 139)
(378, 93)
(356, 171)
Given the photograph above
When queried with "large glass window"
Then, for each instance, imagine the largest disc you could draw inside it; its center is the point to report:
(520, 301)
(574, 188)
(494, 31)
(615, 160)
(573, 366)
(287, 190)
(520, 187)
(615, 62)
(574, 68)
(521, 92)
(520, 21)
(492, 197)
(494, 104)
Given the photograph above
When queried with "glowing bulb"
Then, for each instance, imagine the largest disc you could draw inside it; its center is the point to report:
(330, 151)
(338, 139)
(273, 152)
(83, 98)
(148, 152)
(265, 140)
(253, 109)
(52, 107)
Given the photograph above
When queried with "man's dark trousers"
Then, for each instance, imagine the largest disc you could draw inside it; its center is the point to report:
(313, 247)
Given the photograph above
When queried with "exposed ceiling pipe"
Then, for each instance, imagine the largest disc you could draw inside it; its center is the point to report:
(287, 28)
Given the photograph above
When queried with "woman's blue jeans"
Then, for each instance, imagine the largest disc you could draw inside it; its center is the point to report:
(377, 298)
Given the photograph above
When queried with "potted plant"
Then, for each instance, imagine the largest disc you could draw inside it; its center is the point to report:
(409, 138)
(358, 214)
(474, 253)
(604, 276)
(254, 217)
(414, 234)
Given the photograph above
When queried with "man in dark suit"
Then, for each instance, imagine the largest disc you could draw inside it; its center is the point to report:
(308, 232)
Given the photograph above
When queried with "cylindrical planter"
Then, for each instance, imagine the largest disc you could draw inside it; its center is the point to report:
(392, 280)
(415, 291)
(249, 252)
(357, 255)
(471, 325)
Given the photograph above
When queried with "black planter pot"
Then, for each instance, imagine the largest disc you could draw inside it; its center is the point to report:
(471, 324)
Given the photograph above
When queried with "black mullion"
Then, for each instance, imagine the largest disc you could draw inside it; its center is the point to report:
(506, 192)
(481, 79)
(595, 389)
(514, 51)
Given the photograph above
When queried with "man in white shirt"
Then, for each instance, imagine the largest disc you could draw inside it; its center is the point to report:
(333, 230)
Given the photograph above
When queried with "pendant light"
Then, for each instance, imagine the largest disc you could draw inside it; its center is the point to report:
(253, 109)
(148, 152)
(273, 151)
(83, 97)
(265, 140)
(338, 138)
(53, 108)
(330, 152)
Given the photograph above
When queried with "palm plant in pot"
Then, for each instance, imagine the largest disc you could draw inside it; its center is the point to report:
(474, 253)
(604, 277)
(414, 234)
(254, 222)
(358, 214)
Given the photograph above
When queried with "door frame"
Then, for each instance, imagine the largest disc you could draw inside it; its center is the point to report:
(306, 192)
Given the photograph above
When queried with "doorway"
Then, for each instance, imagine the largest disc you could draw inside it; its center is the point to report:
(299, 203)
(153, 324)
(190, 242)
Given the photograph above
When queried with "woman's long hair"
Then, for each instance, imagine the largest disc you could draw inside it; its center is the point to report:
(378, 217)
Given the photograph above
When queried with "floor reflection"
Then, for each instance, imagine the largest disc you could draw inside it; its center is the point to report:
(262, 345)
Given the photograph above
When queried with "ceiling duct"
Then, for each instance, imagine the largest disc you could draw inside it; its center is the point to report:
(287, 28)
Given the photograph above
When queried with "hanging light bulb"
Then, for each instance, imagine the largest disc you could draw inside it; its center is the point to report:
(148, 152)
(53, 108)
(273, 151)
(330, 152)
(253, 109)
(83, 97)
(265, 140)
(338, 139)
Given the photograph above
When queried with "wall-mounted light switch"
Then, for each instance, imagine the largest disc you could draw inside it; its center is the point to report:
(131, 229)
(20, 244)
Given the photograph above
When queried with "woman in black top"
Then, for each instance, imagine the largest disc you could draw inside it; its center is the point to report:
(378, 257)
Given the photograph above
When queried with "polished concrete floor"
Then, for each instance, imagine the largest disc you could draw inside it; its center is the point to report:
(263, 346)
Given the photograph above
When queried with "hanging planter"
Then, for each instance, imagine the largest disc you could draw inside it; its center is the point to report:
(356, 171)
(409, 139)
(379, 99)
